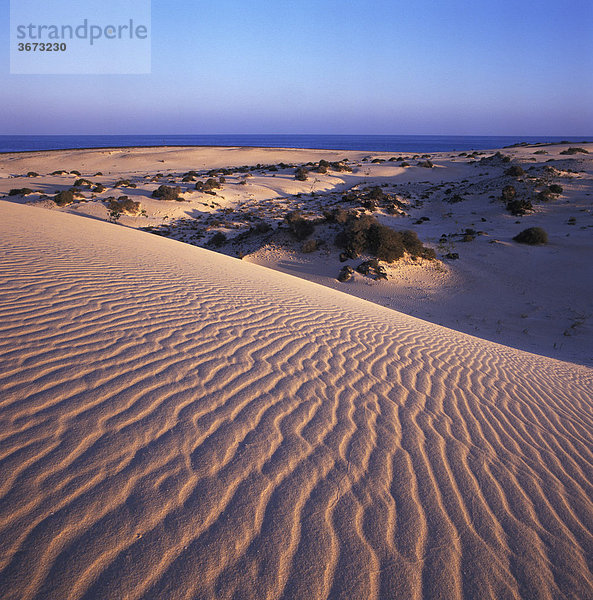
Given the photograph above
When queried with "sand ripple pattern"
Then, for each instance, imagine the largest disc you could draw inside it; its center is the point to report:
(178, 424)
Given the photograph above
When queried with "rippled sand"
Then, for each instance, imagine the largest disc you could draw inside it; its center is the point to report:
(176, 423)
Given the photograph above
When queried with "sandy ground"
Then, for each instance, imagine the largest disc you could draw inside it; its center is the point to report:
(533, 298)
(177, 423)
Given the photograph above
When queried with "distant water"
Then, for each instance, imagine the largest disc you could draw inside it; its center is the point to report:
(370, 143)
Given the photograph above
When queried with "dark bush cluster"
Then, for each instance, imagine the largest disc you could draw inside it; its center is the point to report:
(32, 174)
(83, 183)
(124, 204)
(124, 183)
(164, 192)
(555, 188)
(301, 174)
(20, 191)
(217, 240)
(516, 206)
(299, 227)
(427, 164)
(365, 233)
(575, 151)
(208, 186)
(65, 197)
(497, 159)
(60, 172)
(534, 236)
(515, 171)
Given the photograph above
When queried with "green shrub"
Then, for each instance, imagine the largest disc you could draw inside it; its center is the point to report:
(515, 171)
(519, 207)
(20, 191)
(83, 182)
(508, 193)
(575, 151)
(218, 239)
(63, 198)
(298, 226)
(310, 246)
(124, 183)
(534, 236)
(164, 192)
(123, 204)
(301, 174)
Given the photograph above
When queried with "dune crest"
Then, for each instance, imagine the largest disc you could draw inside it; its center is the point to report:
(176, 423)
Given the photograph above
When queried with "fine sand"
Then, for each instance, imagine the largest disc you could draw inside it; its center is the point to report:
(177, 423)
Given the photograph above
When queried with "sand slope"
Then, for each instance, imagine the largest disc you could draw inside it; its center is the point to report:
(176, 423)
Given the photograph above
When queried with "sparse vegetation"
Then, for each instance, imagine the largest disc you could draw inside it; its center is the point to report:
(534, 236)
(300, 228)
(124, 204)
(20, 191)
(301, 174)
(515, 171)
(32, 174)
(124, 183)
(365, 233)
(217, 240)
(64, 197)
(165, 192)
(575, 151)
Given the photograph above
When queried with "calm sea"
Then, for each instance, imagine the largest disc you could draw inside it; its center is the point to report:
(370, 143)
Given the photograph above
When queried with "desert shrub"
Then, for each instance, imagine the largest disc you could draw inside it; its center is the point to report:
(98, 174)
(301, 174)
(321, 169)
(575, 151)
(519, 206)
(555, 188)
(345, 273)
(515, 171)
(32, 174)
(533, 236)
(63, 198)
(20, 191)
(83, 182)
(508, 193)
(99, 188)
(298, 226)
(217, 240)
(427, 164)
(124, 204)
(124, 183)
(365, 233)
(377, 160)
(310, 246)
(404, 164)
(77, 173)
(164, 192)
(385, 243)
(60, 172)
(540, 152)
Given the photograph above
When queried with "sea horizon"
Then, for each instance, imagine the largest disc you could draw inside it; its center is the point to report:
(370, 143)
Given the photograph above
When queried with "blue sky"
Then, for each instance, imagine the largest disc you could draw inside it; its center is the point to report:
(495, 67)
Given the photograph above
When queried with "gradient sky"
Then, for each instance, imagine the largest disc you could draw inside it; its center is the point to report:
(495, 67)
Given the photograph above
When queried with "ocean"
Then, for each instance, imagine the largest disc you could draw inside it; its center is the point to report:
(370, 143)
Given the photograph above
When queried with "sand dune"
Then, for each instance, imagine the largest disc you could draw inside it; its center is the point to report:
(175, 423)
